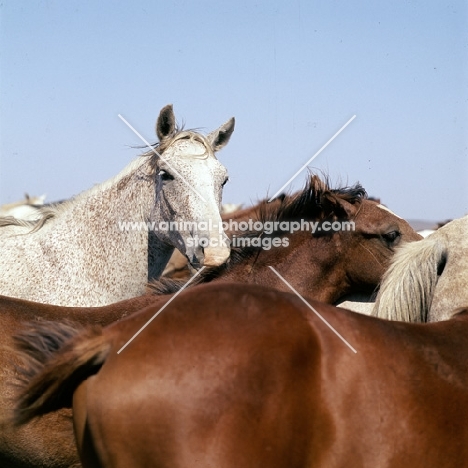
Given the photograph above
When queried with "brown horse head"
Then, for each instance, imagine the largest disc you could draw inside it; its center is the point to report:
(371, 246)
(325, 242)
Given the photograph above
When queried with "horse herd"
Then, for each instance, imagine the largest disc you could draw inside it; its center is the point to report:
(106, 363)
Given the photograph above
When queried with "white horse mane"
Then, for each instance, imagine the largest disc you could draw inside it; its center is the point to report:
(159, 148)
(397, 299)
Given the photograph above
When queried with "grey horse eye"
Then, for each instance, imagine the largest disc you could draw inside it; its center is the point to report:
(165, 175)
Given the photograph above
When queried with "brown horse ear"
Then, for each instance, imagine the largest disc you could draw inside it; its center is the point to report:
(219, 138)
(165, 125)
(337, 208)
(348, 208)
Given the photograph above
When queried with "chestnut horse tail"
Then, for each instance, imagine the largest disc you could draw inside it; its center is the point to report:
(407, 287)
(56, 357)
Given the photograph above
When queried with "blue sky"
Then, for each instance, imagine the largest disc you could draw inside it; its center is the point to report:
(292, 73)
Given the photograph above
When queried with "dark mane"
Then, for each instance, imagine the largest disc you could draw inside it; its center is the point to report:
(316, 202)
(163, 286)
(237, 256)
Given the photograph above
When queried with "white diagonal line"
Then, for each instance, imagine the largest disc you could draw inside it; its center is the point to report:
(313, 157)
(160, 310)
(313, 310)
(155, 152)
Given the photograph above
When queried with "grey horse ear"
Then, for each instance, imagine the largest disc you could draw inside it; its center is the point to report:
(165, 125)
(219, 138)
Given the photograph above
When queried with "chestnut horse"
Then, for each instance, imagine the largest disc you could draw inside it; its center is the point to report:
(428, 279)
(48, 442)
(246, 376)
(338, 262)
(105, 244)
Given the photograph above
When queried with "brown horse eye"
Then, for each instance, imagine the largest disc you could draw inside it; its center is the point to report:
(391, 236)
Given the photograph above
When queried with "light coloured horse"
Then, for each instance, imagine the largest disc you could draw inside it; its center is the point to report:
(28, 209)
(106, 243)
(359, 302)
(227, 208)
(428, 279)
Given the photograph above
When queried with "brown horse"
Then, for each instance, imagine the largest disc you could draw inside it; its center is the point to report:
(245, 376)
(47, 442)
(337, 261)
